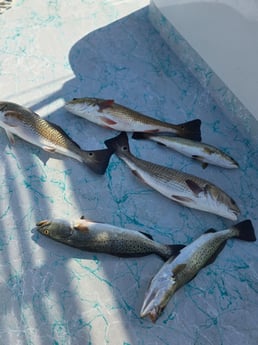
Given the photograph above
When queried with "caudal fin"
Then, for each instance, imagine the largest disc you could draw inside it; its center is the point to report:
(97, 160)
(119, 143)
(246, 231)
(172, 251)
(140, 135)
(190, 130)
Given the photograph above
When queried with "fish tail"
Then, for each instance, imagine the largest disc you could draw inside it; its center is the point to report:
(190, 130)
(118, 143)
(245, 231)
(140, 135)
(172, 251)
(97, 160)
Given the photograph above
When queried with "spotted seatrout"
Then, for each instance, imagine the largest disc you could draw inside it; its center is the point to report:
(185, 189)
(105, 238)
(109, 114)
(29, 126)
(191, 259)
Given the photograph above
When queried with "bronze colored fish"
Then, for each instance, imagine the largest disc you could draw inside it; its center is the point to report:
(185, 189)
(29, 126)
(109, 114)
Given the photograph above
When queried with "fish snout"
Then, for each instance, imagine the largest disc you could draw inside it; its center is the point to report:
(154, 312)
(43, 223)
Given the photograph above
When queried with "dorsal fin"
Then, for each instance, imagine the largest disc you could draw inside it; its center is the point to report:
(147, 235)
(107, 103)
(211, 230)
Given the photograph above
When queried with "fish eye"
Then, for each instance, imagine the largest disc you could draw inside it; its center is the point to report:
(90, 154)
(75, 99)
(46, 232)
(124, 148)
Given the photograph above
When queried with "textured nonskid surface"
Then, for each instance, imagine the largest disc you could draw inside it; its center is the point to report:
(52, 52)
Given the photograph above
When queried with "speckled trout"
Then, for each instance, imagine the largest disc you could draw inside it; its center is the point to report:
(202, 152)
(105, 238)
(185, 189)
(191, 259)
(112, 115)
(29, 126)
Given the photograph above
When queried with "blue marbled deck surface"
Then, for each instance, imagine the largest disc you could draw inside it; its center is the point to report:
(52, 294)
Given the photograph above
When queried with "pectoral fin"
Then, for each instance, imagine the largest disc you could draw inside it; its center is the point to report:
(178, 269)
(81, 225)
(195, 188)
(200, 159)
(10, 118)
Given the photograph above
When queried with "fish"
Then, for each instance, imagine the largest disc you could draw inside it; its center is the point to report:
(202, 152)
(107, 113)
(105, 238)
(185, 189)
(29, 126)
(176, 272)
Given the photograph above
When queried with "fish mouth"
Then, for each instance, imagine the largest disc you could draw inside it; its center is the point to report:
(153, 313)
(51, 228)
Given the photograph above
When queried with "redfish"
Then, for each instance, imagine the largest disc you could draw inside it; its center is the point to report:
(109, 114)
(29, 126)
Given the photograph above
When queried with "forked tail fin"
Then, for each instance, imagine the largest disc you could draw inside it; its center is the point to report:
(97, 160)
(140, 135)
(246, 231)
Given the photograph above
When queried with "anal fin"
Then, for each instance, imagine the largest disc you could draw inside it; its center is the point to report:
(49, 149)
(107, 121)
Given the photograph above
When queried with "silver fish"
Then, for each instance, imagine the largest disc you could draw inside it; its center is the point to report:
(204, 153)
(186, 189)
(107, 113)
(177, 272)
(105, 238)
(29, 126)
